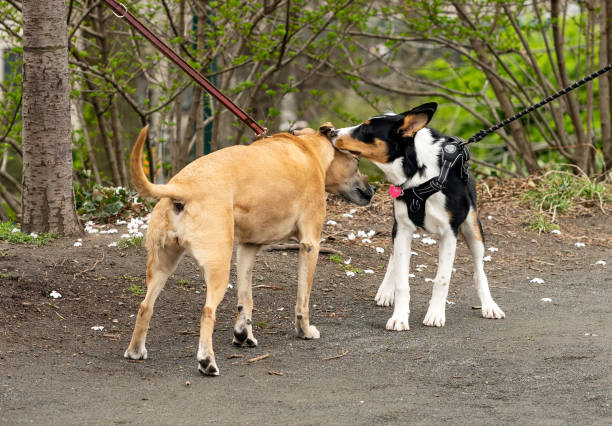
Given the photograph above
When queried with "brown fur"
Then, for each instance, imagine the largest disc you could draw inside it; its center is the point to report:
(251, 195)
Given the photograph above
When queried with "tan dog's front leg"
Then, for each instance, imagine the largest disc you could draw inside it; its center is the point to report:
(309, 252)
(243, 329)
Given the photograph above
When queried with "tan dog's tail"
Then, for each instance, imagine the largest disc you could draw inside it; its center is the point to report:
(139, 179)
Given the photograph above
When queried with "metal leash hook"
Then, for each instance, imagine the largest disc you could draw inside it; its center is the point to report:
(124, 11)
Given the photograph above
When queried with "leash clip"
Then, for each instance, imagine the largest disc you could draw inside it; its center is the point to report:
(124, 11)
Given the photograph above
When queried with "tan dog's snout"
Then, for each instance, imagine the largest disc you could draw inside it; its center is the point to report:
(344, 178)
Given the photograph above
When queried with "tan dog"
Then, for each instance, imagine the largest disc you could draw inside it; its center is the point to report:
(252, 195)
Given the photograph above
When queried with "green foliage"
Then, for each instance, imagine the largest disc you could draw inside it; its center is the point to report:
(104, 203)
(10, 232)
(559, 191)
(336, 258)
(136, 289)
(133, 241)
(183, 282)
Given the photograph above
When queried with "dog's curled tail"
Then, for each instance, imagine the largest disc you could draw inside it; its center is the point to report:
(139, 179)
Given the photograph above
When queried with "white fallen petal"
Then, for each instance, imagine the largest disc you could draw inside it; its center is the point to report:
(348, 261)
(600, 262)
(54, 294)
(353, 211)
(113, 244)
(448, 302)
(429, 280)
(414, 253)
(411, 275)
(421, 266)
(489, 217)
(368, 271)
(428, 241)
(78, 244)
(493, 249)
(347, 215)
(590, 334)
(546, 299)
(230, 286)
(362, 234)
(380, 250)
(331, 222)
(120, 222)
(371, 233)
(14, 230)
(556, 232)
(579, 244)
(97, 328)
(366, 241)
(350, 274)
(351, 236)
(34, 235)
(124, 236)
(537, 281)
(416, 235)
(486, 259)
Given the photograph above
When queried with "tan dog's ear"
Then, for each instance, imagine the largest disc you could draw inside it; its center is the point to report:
(304, 131)
(416, 119)
(326, 129)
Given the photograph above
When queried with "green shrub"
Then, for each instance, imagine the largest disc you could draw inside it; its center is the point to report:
(105, 202)
(10, 232)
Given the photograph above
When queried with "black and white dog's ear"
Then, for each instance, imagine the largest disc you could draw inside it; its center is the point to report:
(416, 119)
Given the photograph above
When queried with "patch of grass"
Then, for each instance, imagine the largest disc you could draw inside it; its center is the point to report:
(136, 289)
(3, 275)
(8, 233)
(541, 223)
(560, 191)
(183, 282)
(129, 277)
(129, 242)
(337, 259)
(262, 324)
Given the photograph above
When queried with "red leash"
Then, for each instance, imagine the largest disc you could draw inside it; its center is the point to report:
(121, 11)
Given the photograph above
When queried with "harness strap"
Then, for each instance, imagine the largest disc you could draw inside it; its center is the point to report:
(454, 152)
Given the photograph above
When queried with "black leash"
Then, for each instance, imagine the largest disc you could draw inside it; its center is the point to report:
(482, 133)
(456, 151)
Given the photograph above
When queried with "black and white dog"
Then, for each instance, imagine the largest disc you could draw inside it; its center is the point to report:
(410, 154)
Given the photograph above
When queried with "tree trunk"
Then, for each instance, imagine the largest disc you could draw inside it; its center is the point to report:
(516, 128)
(605, 83)
(48, 196)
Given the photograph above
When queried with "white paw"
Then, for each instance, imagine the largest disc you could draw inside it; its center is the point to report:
(398, 323)
(385, 294)
(313, 333)
(132, 354)
(491, 310)
(435, 317)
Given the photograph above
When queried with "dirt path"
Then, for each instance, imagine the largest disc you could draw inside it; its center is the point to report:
(547, 363)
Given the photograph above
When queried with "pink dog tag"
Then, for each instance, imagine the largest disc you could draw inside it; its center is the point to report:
(395, 191)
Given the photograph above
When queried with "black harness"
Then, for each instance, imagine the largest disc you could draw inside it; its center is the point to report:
(455, 153)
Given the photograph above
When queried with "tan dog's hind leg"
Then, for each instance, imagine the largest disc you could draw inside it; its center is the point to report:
(161, 263)
(213, 254)
(471, 230)
(309, 252)
(243, 329)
